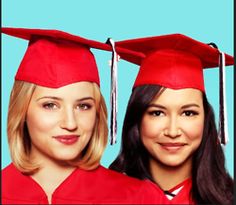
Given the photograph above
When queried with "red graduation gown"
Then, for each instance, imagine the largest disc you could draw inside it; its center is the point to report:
(100, 186)
(184, 195)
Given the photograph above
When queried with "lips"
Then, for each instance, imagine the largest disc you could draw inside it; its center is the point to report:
(67, 139)
(169, 146)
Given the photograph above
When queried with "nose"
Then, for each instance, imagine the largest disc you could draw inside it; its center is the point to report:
(69, 120)
(172, 129)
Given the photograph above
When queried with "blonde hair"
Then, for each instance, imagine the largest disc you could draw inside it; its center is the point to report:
(19, 139)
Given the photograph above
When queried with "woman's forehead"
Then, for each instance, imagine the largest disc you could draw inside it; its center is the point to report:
(178, 95)
(80, 89)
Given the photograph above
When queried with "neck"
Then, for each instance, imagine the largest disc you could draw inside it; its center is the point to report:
(51, 174)
(168, 177)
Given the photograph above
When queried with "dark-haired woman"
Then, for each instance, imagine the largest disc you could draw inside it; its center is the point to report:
(169, 132)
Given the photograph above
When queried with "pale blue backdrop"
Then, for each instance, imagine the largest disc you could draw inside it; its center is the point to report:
(207, 21)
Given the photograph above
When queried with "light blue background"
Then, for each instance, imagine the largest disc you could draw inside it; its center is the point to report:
(204, 20)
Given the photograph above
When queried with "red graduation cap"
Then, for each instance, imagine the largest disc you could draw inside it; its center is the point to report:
(176, 61)
(55, 58)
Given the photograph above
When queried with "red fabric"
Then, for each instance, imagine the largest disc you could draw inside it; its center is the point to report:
(27, 33)
(184, 195)
(178, 186)
(173, 61)
(100, 186)
(171, 69)
(54, 58)
(55, 64)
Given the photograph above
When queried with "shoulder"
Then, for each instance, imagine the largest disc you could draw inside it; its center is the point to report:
(16, 185)
(9, 172)
(143, 191)
(117, 177)
(121, 178)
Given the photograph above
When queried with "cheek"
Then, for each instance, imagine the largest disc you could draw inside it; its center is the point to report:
(40, 123)
(150, 131)
(151, 128)
(194, 131)
(86, 121)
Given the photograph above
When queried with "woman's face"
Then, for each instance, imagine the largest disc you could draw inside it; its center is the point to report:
(172, 126)
(61, 121)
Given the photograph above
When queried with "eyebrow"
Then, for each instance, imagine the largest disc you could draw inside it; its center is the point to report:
(157, 106)
(183, 107)
(60, 99)
(190, 105)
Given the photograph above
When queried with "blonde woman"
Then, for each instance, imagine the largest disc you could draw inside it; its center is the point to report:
(57, 128)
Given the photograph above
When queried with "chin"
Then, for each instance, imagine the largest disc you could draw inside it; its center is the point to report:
(65, 156)
(174, 162)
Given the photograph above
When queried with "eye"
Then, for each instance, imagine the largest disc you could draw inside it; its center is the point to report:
(189, 113)
(156, 113)
(50, 106)
(84, 106)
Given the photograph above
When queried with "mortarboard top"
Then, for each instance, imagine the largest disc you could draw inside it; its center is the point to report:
(174, 61)
(55, 58)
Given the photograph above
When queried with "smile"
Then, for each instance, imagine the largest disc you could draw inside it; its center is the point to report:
(172, 147)
(67, 139)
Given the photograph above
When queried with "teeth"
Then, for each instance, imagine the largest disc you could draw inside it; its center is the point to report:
(63, 140)
(66, 139)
